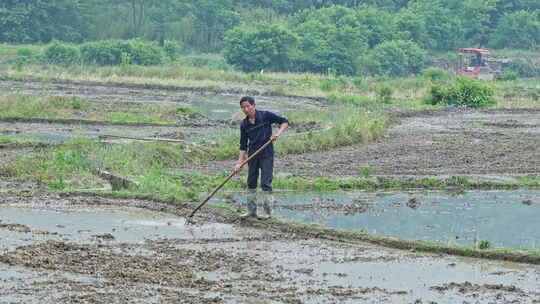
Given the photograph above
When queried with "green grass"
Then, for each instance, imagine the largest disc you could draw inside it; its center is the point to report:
(58, 107)
(16, 141)
(352, 125)
(10, 50)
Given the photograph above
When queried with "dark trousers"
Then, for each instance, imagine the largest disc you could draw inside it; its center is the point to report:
(266, 166)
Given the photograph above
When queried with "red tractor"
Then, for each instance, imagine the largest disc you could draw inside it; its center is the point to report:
(474, 63)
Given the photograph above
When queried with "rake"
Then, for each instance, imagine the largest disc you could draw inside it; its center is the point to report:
(190, 217)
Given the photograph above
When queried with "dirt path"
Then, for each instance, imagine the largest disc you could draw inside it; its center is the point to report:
(437, 143)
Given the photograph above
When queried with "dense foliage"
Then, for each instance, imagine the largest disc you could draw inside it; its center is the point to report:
(323, 36)
(266, 47)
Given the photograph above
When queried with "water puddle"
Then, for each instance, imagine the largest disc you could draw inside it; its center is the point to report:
(25, 226)
(505, 218)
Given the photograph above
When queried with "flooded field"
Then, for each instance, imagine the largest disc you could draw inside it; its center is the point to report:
(505, 218)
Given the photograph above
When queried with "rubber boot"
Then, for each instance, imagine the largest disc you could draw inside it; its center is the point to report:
(268, 203)
(251, 205)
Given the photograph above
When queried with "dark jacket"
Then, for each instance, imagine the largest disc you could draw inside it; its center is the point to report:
(254, 136)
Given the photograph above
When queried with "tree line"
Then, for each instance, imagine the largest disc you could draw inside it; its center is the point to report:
(342, 36)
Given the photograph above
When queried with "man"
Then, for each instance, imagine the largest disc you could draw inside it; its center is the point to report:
(255, 131)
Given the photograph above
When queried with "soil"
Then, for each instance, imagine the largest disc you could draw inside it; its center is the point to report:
(256, 261)
(449, 142)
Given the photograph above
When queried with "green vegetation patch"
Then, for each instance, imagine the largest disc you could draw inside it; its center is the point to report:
(465, 91)
(74, 165)
(11, 140)
(60, 107)
(352, 125)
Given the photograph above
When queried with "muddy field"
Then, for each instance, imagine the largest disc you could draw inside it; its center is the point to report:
(57, 258)
(477, 143)
(221, 260)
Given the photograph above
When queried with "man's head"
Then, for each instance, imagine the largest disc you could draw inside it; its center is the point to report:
(247, 104)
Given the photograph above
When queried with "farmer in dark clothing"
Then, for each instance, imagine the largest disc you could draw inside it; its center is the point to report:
(255, 131)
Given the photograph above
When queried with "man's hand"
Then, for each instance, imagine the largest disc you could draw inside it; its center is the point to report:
(238, 167)
(282, 129)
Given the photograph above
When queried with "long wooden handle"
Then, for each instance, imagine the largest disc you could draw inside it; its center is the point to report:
(228, 178)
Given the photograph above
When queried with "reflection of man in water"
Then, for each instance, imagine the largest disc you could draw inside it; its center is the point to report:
(255, 131)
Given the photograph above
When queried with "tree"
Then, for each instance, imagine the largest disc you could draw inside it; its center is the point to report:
(331, 40)
(395, 58)
(431, 25)
(212, 19)
(381, 25)
(476, 18)
(264, 47)
(32, 21)
(519, 30)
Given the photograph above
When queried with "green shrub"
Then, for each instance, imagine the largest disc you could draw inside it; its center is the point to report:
(172, 48)
(436, 74)
(116, 52)
(26, 52)
(385, 94)
(465, 91)
(484, 244)
(366, 171)
(61, 54)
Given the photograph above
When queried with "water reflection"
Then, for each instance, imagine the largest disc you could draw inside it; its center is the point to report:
(505, 218)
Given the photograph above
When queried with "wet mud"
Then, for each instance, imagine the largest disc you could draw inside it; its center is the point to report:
(251, 265)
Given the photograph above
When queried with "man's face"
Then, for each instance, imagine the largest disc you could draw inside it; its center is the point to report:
(247, 108)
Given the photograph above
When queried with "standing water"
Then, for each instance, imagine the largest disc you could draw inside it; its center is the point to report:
(505, 218)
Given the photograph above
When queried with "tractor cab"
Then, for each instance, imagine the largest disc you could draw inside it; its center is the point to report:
(474, 63)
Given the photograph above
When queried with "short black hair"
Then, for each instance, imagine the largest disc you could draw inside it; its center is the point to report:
(249, 99)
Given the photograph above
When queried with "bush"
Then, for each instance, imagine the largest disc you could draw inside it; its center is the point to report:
(385, 94)
(172, 48)
(116, 52)
(465, 91)
(484, 244)
(436, 74)
(61, 54)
